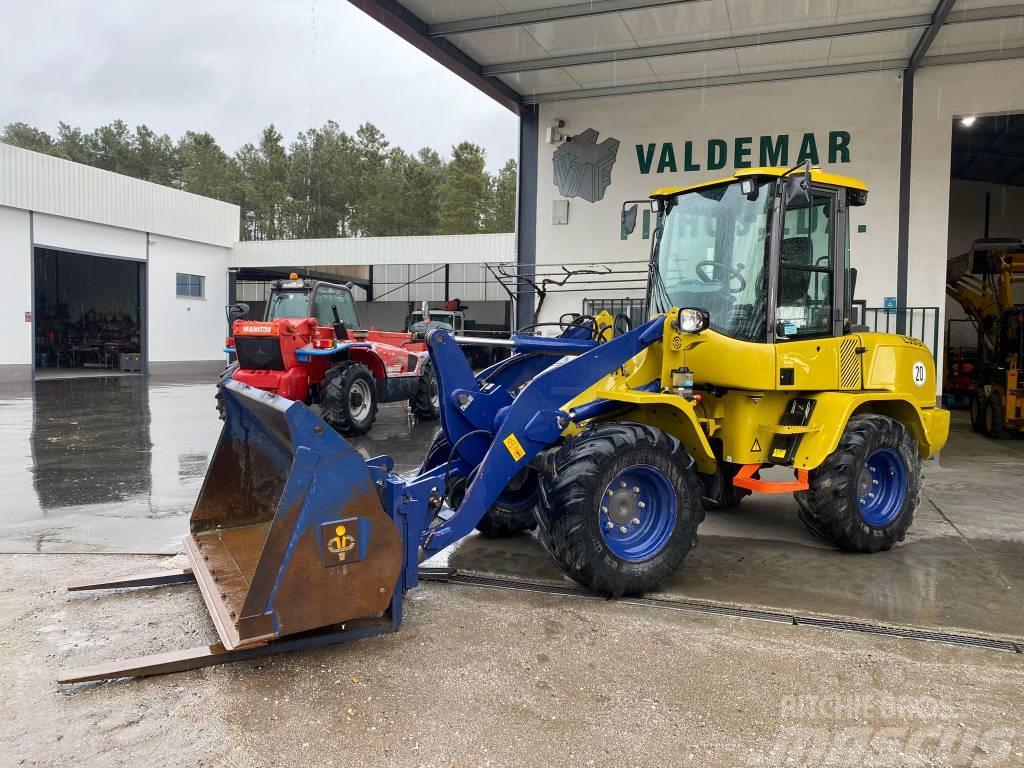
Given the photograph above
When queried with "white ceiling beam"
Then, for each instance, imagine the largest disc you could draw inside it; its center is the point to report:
(972, 57)
(541, 15)
(708, 82)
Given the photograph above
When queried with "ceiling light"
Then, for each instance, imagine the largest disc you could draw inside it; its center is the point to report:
(968, 121)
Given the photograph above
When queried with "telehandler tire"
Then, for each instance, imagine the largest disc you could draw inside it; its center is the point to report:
(620, 510)
(863, 496)
(426, 403)
(348, 398)
(222, 408)
(993, 419)
(977, 410)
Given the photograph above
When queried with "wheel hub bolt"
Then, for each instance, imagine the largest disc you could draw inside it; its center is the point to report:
(622, 529)
(635, 521)
(871, 495)
(874, 482)
(636, 489)
(622, 485)
(641, 504)
(604, 510)
(609, 525)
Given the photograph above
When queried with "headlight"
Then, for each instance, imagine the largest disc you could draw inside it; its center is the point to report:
(692, 320)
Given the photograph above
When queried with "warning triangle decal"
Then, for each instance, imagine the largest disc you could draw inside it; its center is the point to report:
(756, 447)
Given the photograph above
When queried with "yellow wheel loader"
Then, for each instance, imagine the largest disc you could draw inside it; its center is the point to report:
(609, 439)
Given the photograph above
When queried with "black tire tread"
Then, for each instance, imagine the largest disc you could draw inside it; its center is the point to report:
(568, 505)
(422, 403)
(829, 508)
(334, 399)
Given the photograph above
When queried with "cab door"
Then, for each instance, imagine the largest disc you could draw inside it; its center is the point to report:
(807, 300)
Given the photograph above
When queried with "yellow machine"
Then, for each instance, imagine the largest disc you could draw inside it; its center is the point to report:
(982, 281)
(762, 260)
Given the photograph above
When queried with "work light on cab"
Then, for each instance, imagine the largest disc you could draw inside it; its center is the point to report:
(690, 320)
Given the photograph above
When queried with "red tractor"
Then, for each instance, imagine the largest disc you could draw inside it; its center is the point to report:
(309, 347)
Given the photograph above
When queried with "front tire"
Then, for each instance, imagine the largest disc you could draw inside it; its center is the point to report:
(348, 398)
(863, 496)
(621, 509)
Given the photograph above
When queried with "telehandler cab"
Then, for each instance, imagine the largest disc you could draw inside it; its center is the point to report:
(611, 443)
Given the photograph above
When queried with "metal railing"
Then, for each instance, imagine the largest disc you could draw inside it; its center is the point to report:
(634, 309)
(920, 322)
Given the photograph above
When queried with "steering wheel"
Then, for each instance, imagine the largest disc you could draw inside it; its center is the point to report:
(621, 324)
(733, 273)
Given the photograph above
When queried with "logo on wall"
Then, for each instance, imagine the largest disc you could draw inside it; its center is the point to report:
(583, 168)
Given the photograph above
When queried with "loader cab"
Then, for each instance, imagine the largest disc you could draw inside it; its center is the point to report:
(296, 298)
(765, 253)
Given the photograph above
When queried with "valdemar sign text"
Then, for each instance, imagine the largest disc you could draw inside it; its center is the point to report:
(744, 152)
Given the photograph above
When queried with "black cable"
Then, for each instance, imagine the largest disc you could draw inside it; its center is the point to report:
(451, 455)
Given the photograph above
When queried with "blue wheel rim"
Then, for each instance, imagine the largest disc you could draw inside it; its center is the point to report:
(881, 487)
(637, 513)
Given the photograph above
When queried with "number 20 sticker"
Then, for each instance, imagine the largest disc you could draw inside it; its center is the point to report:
(920, 374)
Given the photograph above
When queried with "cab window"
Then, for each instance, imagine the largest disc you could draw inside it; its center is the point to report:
(327, 299)
(804, 300)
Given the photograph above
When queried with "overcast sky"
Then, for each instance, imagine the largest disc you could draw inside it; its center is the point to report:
(231, 67)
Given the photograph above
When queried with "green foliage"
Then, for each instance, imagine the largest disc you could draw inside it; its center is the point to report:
(326, 183)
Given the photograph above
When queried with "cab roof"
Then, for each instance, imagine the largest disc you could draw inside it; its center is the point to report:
(817, 175)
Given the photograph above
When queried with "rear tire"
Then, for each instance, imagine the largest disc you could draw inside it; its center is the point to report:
(621, 509)
(977, 406)
(993, 418)
(863, 496)
(348, 398)
(426, 403)
(514, 511)
(511, 514)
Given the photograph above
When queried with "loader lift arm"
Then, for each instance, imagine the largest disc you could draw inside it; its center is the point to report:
(290, 512)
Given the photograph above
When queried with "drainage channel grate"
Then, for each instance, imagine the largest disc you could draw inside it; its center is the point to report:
(951, 638)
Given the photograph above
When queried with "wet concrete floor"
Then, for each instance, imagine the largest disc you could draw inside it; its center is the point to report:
(114, 465)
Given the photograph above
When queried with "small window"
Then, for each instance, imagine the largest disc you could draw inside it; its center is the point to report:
(805, 272)
(191, 286)
(328, 299)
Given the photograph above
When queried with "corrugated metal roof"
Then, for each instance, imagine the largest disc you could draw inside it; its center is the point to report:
(550, 50)
(36, 182)
(430, 249)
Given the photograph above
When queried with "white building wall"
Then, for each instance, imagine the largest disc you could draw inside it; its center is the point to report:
(16, 267)
(360, 251)
(866, 106)
(86, 237)
(36, 182)
(185, 328)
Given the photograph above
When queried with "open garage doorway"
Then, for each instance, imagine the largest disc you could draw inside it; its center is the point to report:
(88, 315)
(985, 272)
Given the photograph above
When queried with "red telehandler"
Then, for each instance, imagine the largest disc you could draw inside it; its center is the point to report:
(309, 347)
